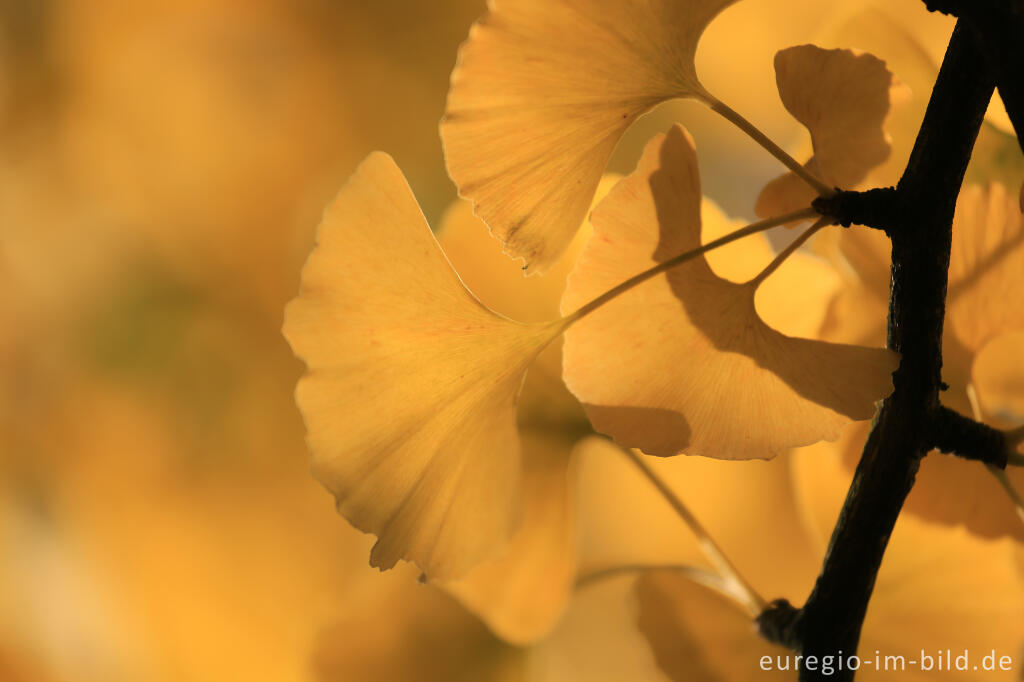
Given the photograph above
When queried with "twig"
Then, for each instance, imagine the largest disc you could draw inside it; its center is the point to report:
(737, 584)
(919, 219)
(955, 434)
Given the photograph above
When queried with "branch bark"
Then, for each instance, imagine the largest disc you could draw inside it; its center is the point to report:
(918, 217)
(955, 434)
(998, 26)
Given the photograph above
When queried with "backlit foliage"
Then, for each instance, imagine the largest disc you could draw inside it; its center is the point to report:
(524, 409)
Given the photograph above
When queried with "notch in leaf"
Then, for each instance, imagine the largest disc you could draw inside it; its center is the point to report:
(704, 375)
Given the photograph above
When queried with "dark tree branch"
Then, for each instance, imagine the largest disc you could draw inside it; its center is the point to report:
(955, 434)
(921, 237)
(873, 208)
(918, 217)
(998, 25)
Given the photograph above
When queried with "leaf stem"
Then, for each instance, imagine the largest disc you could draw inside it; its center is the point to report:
(1007, 485)
(788, 251)
(775, 150)
(1000, 474)
(737, 585)
(622, 288)
(1015, 437)
(697, 575)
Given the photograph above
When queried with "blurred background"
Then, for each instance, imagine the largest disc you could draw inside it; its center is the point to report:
(163, 166)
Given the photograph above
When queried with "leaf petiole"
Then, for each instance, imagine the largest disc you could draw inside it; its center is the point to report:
(775, 150)
(735, 584)
(1014, 438)
(1007, 485)
(1000, 474)
(697, 575)
(788, 251)
(622, 288)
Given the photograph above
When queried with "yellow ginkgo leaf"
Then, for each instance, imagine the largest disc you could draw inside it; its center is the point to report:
(699, 634)
(705, 375)
(410, 394)
(522, 593)
(986, 266)
(908, 41)
(783, 300)
(843, 98)
(543, 91)
(495, 278)
(499, 282)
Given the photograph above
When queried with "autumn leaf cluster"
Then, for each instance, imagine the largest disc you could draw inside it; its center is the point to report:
(451, 399)
(598, 469)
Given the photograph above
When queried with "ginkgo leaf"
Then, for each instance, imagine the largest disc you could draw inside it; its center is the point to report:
(495, 278)
(696, 633)
(705, 375)
(498, 280)
(543, 91)
(843, 98)
(986, 266)
(545, 404)
(908, 41)
(522, 593)
(783, 300)
(410, 394)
